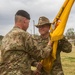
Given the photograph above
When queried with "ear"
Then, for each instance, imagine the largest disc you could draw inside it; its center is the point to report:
(24, 20)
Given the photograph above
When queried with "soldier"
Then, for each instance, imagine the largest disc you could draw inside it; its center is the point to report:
(18, 47)
(63, 46)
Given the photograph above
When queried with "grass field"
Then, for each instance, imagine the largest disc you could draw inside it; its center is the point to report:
(68, 62)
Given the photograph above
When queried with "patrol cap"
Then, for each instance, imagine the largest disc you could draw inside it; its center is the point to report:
(23, 13)
(43, 21)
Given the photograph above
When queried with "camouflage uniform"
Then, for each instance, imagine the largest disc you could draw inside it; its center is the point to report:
(64, 46)
(17, 49)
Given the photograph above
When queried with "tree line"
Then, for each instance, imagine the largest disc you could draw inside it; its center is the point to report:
(70, 34)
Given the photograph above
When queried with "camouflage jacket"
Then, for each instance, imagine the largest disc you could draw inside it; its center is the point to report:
(17, 49)
(63, 46)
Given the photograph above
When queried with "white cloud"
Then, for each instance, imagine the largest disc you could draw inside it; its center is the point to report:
(36, 8)
(4, 29)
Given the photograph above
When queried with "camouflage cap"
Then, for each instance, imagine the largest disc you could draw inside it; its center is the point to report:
(43, 21)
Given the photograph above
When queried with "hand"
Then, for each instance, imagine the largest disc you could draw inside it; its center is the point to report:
(50, 43)
(39, 66)
(37, 72)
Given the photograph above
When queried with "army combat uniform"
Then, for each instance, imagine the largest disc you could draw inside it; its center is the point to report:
(64, 46)
(17, 49)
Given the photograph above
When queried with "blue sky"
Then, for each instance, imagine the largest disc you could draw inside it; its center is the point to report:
(36, 8)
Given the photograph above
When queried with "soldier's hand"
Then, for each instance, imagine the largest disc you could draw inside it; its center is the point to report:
(37, 72)
(39, 66)
(50, 43)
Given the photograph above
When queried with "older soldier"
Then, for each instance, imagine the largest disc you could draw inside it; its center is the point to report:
(63, 45)
(18, 47)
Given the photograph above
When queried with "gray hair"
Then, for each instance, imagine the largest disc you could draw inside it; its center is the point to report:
(18, 18)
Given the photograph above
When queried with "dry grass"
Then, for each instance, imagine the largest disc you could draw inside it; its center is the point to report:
(68, 62)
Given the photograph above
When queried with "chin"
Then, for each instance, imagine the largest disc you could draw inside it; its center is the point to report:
(42, 33)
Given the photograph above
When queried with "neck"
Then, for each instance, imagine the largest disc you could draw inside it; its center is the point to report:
(45, 35)
(19, 25)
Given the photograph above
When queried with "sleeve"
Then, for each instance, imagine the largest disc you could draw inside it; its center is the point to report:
(64, 45)
(12, 42)
(35, 51)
